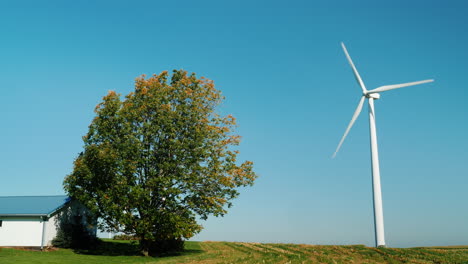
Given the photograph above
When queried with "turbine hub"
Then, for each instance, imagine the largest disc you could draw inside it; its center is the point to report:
(374, 96)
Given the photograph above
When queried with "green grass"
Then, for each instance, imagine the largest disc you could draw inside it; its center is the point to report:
(230, 252)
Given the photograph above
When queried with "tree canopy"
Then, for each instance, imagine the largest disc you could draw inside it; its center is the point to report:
(155, 161)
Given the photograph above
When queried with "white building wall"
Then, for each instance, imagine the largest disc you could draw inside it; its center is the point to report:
(28, 231)
(50, 230)
(21, 232)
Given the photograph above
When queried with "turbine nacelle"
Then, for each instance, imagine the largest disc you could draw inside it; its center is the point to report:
(374, 96)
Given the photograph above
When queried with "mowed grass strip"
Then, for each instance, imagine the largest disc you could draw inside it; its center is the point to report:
(237, 252)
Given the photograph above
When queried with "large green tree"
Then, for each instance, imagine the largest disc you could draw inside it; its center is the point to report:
(156, 161)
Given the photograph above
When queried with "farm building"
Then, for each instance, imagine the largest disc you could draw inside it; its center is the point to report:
(33, 221)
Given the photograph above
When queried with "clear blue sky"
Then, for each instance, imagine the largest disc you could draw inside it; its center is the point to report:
(286, 79)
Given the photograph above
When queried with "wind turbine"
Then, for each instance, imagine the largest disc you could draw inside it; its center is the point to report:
(372, 95)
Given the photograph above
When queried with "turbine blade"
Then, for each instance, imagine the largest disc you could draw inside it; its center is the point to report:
(356, 73)
(355, 116)
(396, 86)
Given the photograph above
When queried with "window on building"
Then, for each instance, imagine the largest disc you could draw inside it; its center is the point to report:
(1, 223)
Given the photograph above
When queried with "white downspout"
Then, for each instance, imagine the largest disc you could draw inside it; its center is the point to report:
(43, 232)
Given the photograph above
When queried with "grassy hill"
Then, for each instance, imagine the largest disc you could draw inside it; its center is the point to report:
(229, 252)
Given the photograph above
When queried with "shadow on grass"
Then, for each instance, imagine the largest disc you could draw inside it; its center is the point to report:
(131, 248)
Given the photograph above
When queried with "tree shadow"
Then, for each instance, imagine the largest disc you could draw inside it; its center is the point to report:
(129, 248)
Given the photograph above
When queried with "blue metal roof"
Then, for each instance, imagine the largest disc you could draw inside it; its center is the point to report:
(31, 205)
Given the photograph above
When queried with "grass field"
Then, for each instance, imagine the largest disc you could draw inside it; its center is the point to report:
(230, 252)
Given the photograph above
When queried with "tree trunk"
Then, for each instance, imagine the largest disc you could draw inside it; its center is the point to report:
(145, 247)
(154, 248)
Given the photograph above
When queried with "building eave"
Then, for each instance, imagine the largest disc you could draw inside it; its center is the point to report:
(23, 215)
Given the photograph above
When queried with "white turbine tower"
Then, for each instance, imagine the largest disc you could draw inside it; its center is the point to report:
(371, 96)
